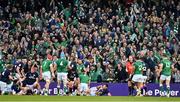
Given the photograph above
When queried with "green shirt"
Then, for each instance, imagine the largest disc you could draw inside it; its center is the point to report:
(84, 78)
(46, 44)
(166, 70)
(62, 65)
(157, 57)
(56, 44)
(139, 65)
(67, 13)
(64, 43)
(98, 58)
(46, 65)
(94, 74)
(80, 68)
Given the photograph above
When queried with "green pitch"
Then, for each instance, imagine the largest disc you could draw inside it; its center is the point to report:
(86, 99)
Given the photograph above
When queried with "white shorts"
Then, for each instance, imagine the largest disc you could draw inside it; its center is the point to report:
(62, 76)
(164, 77)
(83, 87)
(30, 86)
(144, 78)
(138, 78)
(93, 91)
(8, 88)
(46, 75)
(3, 86)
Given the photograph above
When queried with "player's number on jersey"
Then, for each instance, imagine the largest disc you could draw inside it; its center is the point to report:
(61, 64)
(168, 64)
(45, 63)
(140, 67)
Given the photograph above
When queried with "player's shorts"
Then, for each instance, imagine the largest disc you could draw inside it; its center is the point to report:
(62, 76)
(83, 87)
(164, 77)
(93, 91)
(144, 78)
(9, 87)
(138, 78)
(46, 75)
(30, 86)
(3, 86)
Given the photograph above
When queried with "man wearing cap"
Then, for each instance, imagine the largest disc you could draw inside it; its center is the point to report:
(47, 70)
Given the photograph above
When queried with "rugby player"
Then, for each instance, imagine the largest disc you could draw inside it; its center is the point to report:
(165, 68)
(104, 91)
(138, 77)
(61, 66)
(46, 71)
(73, 81)
(18, 69)
(84, 82)
(6, 80)
(31, 80)
(95, 91)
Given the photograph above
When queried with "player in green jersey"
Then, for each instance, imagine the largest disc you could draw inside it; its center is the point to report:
(138, 77)
(84, 83)
(165, 68)
(61, 66)
(46, 71)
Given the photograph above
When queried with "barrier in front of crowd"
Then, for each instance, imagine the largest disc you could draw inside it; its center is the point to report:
(121, 89)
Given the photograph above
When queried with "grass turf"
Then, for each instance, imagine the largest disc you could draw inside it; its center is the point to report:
(86, 99)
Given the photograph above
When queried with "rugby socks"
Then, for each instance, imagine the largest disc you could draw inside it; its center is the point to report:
(59, 91)
(133, 88)
(138, 92)
(143, 90)
(65, 89)
(46, 92)
(168, 91)
(130, 90)
(161, 89)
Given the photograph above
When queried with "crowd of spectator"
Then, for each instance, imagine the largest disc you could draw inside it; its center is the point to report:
(98, 34)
